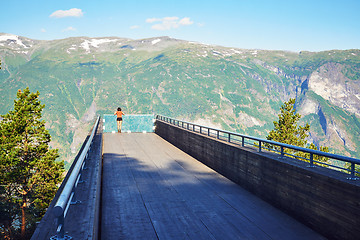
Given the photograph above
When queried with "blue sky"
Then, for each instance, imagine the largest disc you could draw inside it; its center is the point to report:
(312, 25)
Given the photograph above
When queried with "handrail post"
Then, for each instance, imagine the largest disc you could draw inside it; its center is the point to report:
(242, 141)
(208, 131)
(60, 231)
(282, 151)
(259, 146)
(311, 160)
(352, 174)
(217, 134)
(229, 139)
(60, 223)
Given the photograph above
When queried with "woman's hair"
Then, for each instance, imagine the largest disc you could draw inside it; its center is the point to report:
(119, 109)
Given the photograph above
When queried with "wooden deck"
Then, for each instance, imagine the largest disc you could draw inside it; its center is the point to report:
(152, 190)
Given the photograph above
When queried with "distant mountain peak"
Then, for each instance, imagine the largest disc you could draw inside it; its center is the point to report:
(11, 39)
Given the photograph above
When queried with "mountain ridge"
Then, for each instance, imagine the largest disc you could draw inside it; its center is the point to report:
(235, 89)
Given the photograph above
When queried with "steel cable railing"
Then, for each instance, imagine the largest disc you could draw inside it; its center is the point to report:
(263, 144)
(65, 199)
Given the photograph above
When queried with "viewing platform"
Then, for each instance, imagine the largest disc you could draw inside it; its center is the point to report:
(177, 181)
(153, 190)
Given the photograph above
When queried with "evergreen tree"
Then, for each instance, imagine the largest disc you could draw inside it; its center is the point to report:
(316, 157)
(29, 174)
(286, 130)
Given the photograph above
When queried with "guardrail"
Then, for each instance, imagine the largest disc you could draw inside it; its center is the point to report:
(260, 143)
(65, 199)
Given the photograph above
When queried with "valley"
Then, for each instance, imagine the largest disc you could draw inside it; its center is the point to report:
(240, 90)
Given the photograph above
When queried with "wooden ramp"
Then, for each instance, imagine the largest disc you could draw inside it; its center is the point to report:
(153, 190)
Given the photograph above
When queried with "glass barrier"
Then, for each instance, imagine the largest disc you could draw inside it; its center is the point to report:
(130, 123)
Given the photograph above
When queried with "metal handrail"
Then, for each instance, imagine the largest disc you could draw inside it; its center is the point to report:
(228, 134)
(62, 205)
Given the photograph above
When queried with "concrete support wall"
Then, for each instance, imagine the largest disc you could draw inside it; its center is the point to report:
(320, 198)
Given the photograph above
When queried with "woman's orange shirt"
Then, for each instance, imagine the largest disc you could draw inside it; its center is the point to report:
(119, 114)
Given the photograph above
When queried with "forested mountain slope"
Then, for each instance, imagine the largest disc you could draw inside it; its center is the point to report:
(234, 89)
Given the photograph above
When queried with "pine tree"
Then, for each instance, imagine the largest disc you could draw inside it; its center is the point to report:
(29, 173)
(286, 130)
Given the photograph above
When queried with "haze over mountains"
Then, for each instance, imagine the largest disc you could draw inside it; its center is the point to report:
(234, 89)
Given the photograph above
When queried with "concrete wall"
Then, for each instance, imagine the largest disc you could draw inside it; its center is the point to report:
(320, 198)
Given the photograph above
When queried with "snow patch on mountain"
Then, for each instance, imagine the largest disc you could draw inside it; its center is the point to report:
(236, 51)
(153, 42)
(95, 43)
(11, 39)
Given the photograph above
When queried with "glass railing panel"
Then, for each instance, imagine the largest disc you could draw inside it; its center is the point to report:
(130, 123)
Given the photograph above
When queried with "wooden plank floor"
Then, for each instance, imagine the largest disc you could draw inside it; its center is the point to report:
(152, 190)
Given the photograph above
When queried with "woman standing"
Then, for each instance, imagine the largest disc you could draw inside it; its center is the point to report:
(119, 115)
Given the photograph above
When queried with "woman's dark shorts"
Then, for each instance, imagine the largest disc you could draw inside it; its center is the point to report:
(119, 119)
